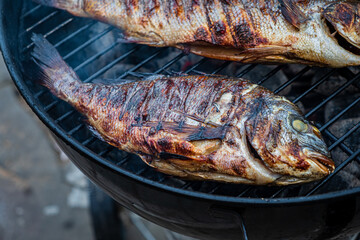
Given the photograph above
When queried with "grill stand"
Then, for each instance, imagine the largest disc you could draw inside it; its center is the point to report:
(105, 220)
(107, 224)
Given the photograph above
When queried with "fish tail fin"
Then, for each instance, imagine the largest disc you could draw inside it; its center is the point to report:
(72, 6)
(53, 72)
(54, 3)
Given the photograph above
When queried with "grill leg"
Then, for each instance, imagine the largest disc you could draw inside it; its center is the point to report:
(106, 221)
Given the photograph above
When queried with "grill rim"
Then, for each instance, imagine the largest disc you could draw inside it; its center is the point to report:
(30, 99)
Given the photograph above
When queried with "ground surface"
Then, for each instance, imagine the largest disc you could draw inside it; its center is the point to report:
(42, 196)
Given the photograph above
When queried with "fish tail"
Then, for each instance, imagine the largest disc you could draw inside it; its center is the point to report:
(72, 6)
(54, 3)
(54, 73)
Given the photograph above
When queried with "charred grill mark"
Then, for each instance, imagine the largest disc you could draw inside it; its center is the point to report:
(128, 98)
(168, 10)
(213, 94)
(202, 107)
(224, 5)
(201, 34)
(165, 143)
(186, 96)
(239, 167)
(255, 112)
(127, 4)
(152, 7)
(179, 9)
(244, 35)
(225, 2)
(193, 5)
(209, 21)
(249, 15)
(303, 165)
(219, 28)
(143, 109)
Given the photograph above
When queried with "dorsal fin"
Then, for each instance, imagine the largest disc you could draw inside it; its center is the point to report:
(292, 13)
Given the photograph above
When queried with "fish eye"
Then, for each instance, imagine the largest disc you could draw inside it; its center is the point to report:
(299, 125)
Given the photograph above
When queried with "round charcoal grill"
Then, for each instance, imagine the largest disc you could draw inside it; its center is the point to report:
(207, 210)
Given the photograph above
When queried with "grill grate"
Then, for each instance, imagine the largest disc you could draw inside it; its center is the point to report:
(92, 49)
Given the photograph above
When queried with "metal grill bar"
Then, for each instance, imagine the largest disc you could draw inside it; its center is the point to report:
(318, 83)
(340, 114)
(111, 64)
(122, 161)
(353, 129)
(78, 31)
(88, 42)
(224, 65)
(343, 147)
(298, 75)
(187, 185)
(37, 7)
(171, 62)
(50, 106)
(214, 189)
(157, 52)
(64, 116)
(278, 192)
(270, 74)
(39, 22)
(246, 70)
(58, 27)
(202, 61)
(75, 129)
(105, 151)
(99, 54)
(245, 191)
(88, 141)
(332, 96)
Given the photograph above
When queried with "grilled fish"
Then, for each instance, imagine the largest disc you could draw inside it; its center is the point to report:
(314, 32)
(196, 127)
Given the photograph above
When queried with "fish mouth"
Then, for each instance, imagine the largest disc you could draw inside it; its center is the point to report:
(321, 167)
(324, 163)
(342, 41)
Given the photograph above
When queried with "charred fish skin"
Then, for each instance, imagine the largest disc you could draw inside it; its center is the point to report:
(314, 32)
(197, 127)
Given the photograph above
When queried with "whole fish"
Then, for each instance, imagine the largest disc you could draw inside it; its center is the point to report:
(314, 32)
(196, 127)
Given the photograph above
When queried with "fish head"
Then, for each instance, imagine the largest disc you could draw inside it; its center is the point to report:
(287, 143)
(343, 21)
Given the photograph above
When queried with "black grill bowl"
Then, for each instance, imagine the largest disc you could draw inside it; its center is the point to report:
(207, 210)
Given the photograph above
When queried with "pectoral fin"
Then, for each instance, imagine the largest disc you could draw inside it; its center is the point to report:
(292, 13)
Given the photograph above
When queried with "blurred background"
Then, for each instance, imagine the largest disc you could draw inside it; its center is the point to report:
(42, 195)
